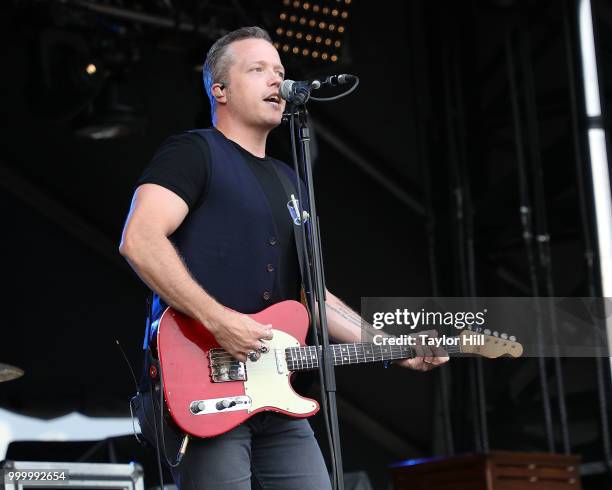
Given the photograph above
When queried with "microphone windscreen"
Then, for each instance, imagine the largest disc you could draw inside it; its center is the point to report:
(285, 89)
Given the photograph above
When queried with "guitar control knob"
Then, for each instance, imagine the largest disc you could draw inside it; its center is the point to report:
(223, 404)
(512, 338)
(496, 334)
(197, 407)
(487, 331)
(504, 336)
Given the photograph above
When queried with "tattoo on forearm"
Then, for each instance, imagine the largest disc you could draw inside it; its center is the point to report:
(348, 314)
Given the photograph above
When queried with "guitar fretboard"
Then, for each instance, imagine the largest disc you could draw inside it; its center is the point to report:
(304, 358)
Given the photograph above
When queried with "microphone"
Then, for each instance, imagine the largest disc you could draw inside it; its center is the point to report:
(298, 93)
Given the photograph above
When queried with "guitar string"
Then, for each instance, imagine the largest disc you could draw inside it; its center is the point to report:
(364, 345)
(298, 363)
(342, 352)
(304, 356)
(347, 347)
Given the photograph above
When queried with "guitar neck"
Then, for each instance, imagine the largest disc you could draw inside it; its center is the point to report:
(306, 358)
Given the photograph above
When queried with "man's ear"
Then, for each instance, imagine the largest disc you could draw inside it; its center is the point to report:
(218, 91)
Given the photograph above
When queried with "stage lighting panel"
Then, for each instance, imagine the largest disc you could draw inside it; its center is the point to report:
(318, 24)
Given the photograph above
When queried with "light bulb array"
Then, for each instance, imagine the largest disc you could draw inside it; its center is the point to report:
(312, 29)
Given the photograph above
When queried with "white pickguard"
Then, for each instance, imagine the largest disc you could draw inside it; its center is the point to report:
(267, 387)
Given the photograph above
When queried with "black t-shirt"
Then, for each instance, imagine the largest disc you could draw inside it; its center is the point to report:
(182, 165)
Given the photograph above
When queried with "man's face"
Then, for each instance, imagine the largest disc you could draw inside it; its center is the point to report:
(254, 77)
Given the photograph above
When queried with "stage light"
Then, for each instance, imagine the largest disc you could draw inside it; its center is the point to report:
(91, 69)
(589, 64)
(285, 47)
(600, 173)
(276, 45)
(348, 2)
(334, 58)
(305, 51)
(298, 16)
(315, 54)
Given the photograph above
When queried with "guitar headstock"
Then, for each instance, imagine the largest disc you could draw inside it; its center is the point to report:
(490, 346)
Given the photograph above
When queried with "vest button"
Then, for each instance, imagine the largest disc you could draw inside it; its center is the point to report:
(266, 295)
(270, 268)
(272, 240)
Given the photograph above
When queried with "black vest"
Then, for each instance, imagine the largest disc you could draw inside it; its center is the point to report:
(228, 240)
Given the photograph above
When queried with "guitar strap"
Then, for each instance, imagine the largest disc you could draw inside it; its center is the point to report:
(296, 219)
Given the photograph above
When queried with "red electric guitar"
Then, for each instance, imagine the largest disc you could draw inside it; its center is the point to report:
(208, 392)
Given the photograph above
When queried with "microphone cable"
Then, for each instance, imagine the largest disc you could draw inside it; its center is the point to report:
(339, 96)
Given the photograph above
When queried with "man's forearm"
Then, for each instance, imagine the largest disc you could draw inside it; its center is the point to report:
(160, 267)
(345, 325)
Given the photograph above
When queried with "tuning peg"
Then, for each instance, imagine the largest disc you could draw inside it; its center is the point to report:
(487, 331)
(504, 336)
(496, 334)
(512, 338)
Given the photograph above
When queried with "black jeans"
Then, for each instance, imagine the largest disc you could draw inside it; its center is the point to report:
(269, 451)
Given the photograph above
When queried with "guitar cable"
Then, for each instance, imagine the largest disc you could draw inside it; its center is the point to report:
(157, 447)
(138, 393)
(131, 402)
(183, 446)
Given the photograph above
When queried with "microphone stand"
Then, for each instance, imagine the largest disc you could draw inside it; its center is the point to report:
(314, 285)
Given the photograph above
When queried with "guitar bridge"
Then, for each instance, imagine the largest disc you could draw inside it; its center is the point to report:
(224, 368)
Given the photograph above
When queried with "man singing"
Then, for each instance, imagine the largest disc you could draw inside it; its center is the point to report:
(209, 231)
